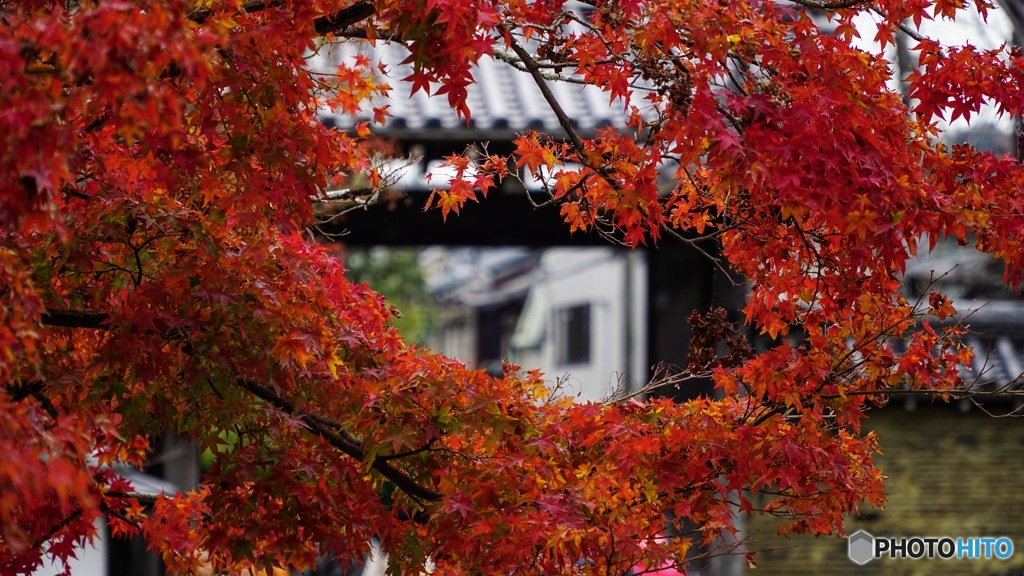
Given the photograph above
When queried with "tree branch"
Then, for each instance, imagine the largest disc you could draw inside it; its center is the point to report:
(75, 319)
(337, 438)
(22, 390)
(538, 77)
(345, 443)
(838, 5)
(340, 20)
(142, 497)
(56, 528)
(344, 18)
(902, 27)
(201, 15)
(518, 64)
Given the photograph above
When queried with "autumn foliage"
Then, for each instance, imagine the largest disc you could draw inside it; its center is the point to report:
(160, 164)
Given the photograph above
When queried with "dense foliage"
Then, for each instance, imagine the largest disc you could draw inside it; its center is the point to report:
(159, 165)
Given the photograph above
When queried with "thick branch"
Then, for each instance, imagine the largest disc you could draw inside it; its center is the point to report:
(345, 443)
(75, 319)
(338, 21)
(20, 391)
(838, 5)
(342, 19)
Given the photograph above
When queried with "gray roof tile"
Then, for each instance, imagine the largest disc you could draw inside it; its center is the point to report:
(501, 99)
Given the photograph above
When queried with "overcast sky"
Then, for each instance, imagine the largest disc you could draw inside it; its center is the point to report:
(969, 28)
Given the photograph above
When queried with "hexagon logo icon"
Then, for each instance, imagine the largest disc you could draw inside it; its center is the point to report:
(861, 547)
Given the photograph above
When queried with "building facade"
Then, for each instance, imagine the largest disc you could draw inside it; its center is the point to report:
(577, 314)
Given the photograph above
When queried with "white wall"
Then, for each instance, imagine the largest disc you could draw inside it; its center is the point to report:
(614, 283)
(91, 561)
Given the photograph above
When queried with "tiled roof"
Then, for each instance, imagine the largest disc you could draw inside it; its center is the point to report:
(995, 333)
(997, 361)
(987, 307)
(503, 99)
(478, 278)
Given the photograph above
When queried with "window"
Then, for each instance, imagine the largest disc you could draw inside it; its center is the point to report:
(573, 325)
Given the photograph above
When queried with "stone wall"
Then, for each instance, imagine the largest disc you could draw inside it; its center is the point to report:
(950, 473)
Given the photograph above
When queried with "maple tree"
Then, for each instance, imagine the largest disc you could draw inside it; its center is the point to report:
(160, 164)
